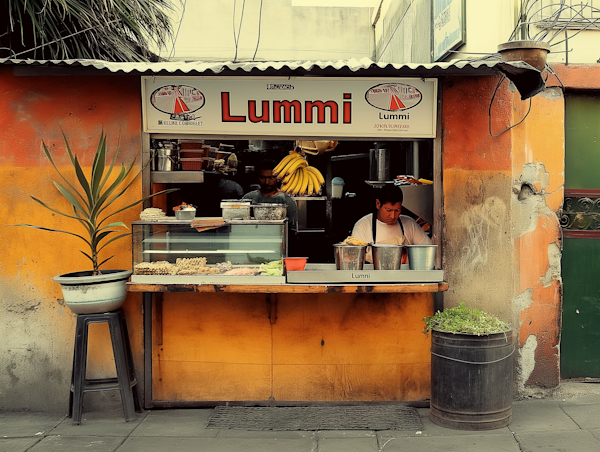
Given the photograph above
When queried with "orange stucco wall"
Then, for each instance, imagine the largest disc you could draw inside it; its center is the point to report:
(501, 242)
(37, 327)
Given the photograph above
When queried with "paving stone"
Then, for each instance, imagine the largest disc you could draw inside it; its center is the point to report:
(540, 415)
(176, 423)
(17, 444)
(23, 424)
(585, 416)
(100, 423)
(578, 441)
(323, 434)
(78, 444)
(147, 444)
(348, 445)
(482, 442)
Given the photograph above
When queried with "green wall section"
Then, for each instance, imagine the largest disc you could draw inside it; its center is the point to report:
(582, 136)
(580, 341)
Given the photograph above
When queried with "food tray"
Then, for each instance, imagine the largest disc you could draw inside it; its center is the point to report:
(327, 274)
(208, 279)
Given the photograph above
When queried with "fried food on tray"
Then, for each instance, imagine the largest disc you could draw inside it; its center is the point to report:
(353, 241)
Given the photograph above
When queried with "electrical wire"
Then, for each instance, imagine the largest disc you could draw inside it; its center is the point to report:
(172, 52)
(237, 39)
(259, 24)
(490, 111)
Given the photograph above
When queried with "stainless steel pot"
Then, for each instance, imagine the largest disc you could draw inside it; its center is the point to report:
(421, 257)
(166, 159)
(387, 257)
(348, 257)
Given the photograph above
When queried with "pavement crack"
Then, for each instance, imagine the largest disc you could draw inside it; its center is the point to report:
(380, 448)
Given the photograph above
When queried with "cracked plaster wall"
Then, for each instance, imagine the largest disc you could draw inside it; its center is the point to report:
(501, 230)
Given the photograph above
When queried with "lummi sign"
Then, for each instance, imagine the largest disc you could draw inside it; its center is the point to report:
(291, 107)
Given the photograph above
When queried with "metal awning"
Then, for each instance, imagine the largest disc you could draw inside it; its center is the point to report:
(526, 78)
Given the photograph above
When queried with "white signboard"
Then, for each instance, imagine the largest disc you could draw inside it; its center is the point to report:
(291, 107)
(448, 27)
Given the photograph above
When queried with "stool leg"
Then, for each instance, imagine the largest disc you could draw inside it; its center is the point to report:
(130, 365)
(118, 342)
(79, 369)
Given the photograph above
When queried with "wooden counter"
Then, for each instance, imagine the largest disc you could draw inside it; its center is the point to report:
(291, 288)
(207, 344)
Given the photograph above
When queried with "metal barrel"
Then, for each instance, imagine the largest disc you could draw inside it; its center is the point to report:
(471, 380)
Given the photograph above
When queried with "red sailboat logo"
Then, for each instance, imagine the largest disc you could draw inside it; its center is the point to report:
(177, 99)
(393, 96)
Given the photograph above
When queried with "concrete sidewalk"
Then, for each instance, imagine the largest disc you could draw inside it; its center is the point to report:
(568, 421)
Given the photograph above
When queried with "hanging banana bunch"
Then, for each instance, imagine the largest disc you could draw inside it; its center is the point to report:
(297, 177)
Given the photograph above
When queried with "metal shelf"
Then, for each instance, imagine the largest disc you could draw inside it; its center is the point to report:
(176, 177)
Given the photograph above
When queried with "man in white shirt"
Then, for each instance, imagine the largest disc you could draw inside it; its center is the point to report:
(388, 226)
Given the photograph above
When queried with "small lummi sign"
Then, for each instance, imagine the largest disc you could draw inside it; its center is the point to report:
(292, 107)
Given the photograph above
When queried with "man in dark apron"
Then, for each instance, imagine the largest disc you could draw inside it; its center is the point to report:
(386, 225)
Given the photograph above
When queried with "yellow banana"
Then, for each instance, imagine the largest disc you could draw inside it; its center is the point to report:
(287, 178)
(305, 183)
(317, 173)
(294, 165)
(286, 169)
(292, 180)
(310, 186)
(284, 161)
(300, 184)
(314, 181)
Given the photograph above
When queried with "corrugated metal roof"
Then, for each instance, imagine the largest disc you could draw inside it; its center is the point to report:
(527, 79)
(362, 67)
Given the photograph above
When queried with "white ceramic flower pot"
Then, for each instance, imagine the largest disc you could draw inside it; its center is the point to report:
(87, 294)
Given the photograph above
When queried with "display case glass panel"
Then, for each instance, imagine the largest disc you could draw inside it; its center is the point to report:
(170, 249)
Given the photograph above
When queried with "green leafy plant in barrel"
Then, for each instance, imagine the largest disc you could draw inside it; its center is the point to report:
(463, 320)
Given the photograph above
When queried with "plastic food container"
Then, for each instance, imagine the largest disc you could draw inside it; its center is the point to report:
(234, 209)
(187, 214)
(193, 153)
(269, 211)
(295, 263)
(337, 187)
(193, 164)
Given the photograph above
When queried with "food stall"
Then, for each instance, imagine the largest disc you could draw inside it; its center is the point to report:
(225, 320)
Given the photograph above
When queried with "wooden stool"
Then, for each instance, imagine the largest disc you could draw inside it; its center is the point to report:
(125, 380)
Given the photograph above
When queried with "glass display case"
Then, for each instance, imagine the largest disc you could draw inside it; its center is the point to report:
(239, 252)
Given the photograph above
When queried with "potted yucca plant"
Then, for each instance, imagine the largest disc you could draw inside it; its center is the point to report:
(91, 199)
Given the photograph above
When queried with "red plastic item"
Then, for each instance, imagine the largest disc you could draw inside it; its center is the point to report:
(295, 263)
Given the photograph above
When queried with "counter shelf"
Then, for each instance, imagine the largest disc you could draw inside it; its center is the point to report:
(327, 274)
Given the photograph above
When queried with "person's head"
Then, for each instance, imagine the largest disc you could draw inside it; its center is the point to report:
(388, 202)
(266, 180)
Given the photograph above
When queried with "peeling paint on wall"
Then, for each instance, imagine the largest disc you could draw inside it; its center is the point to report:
(527, 354)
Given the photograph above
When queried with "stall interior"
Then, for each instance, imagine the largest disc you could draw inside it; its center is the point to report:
(356, 168)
